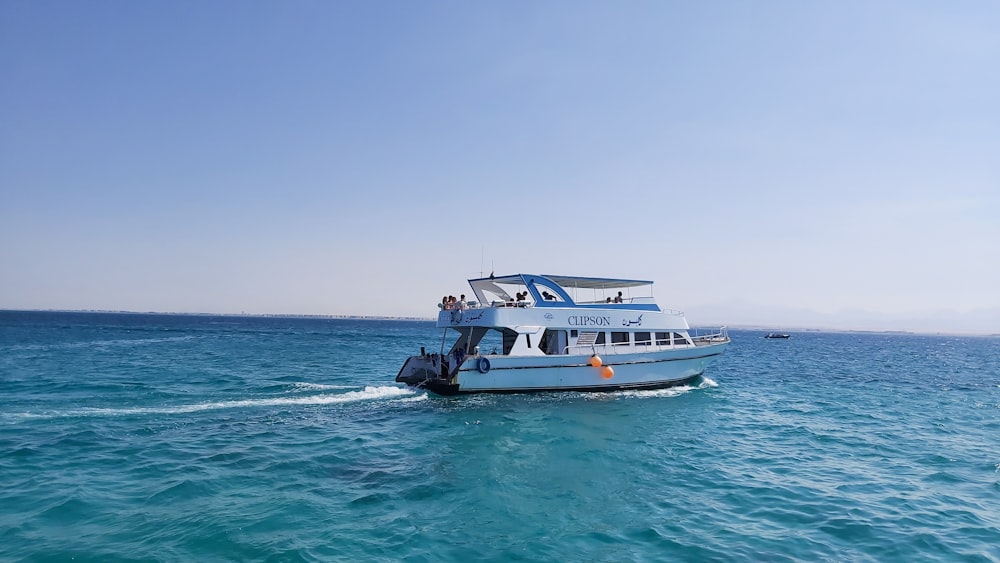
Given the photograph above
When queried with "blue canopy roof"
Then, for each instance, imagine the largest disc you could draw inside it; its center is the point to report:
(569, 281)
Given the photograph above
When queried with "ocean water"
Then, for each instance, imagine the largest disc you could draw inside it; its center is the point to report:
(194, 438)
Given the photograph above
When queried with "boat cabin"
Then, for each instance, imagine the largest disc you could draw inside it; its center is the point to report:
(536, 315)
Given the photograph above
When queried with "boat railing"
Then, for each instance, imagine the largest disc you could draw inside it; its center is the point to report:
(625, 300)
(578, 350)
(698, 338)
(468, 305)
(620, 348)
(503, 304)
(713, 336)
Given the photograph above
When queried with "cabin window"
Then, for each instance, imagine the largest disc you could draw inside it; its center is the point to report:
(663, 339)
(509, 337)
(619, 338)
(492, 342)
(546, 292)
(574, 333)
(601, 339)
(679, 339)
(553, 342)
(642, 339)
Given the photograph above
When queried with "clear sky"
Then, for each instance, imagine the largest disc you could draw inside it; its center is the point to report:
(774, 163)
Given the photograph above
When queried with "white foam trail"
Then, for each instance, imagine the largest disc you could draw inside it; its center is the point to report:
(416, 399)
(369, 393)
(653, 393)
(303, 386)
(666, 392)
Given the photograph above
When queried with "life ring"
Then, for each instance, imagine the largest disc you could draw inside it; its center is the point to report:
(483, 365)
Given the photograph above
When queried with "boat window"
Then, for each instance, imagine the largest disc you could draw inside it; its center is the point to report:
(547, 292)
(472, 339)
(553, 342)
(492, 342)
(679, 339)
(574, 333)
(642, 339)
(509, 337)
(663, 339)
(600, 338)
(619, 338)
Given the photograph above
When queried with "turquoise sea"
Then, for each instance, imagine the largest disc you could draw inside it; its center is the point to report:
(196, 438)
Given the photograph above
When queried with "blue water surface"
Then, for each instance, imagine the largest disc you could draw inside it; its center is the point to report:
(178, 438)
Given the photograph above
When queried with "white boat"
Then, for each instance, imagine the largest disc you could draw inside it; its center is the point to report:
(527, 332)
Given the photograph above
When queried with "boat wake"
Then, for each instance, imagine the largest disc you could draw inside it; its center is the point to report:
(705, 383)
(303, 386)
(368, 393)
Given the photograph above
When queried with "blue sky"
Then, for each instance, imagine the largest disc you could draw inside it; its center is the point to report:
(778, 163)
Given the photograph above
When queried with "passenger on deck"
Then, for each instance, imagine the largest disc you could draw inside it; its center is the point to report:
(609, 300)
(618, 298)
(444, 303)
(462, 304)
(548, 296)
(522, 296)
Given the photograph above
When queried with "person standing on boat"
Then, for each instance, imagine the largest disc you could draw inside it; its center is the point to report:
(462, 303)
(618, 298)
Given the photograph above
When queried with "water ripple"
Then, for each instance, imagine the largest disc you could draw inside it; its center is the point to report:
(284, 440)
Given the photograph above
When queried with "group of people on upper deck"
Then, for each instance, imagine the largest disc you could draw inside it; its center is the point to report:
(523, 296)
(448, 302)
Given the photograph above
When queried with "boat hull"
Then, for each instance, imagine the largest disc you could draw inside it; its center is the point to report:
(507, 374)
(442, 387)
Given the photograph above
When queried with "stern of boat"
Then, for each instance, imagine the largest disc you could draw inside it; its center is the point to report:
(434, 372)
(417, 369)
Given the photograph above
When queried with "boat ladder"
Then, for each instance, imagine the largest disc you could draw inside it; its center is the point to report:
(586, 339)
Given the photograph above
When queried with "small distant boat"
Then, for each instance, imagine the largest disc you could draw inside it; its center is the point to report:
(528, 333)
(781, 335)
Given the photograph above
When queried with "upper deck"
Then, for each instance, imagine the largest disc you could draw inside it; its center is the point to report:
(527, 302)
(564, 292)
